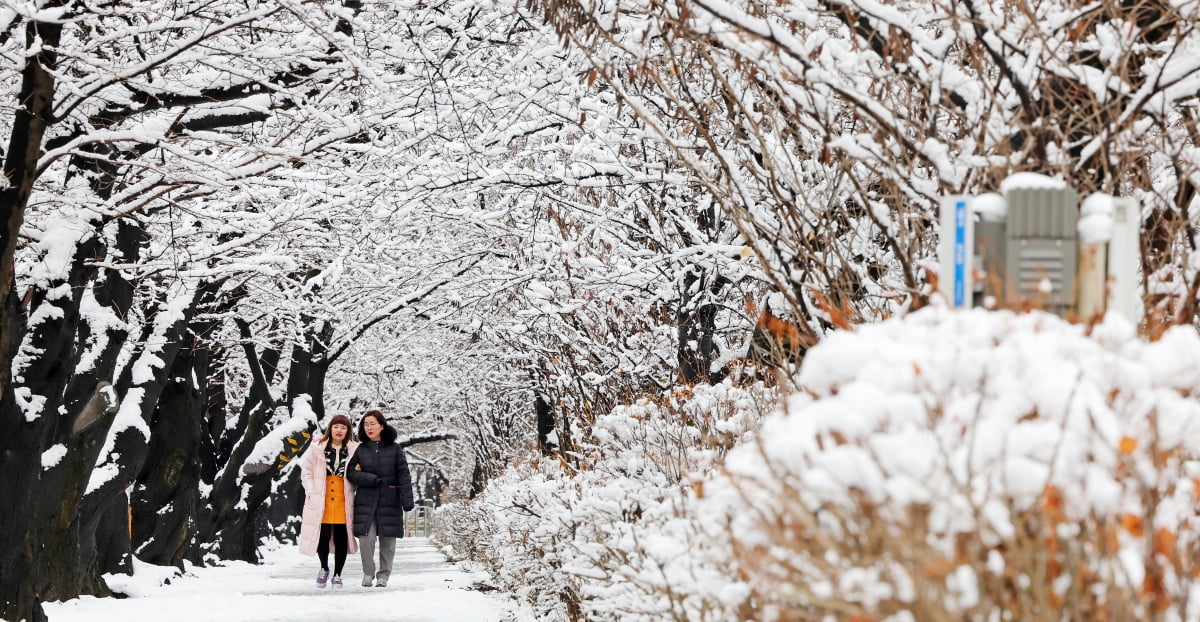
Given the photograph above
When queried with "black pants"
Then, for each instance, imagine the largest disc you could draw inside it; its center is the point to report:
(340, 544)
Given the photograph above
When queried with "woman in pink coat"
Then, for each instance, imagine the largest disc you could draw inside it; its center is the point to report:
(328, 500)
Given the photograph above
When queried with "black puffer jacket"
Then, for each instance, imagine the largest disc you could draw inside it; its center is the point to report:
(383, 488)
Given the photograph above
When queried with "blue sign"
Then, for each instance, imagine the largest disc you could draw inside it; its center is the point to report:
(960, 252)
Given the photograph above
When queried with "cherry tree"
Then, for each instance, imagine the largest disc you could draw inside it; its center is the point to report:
(155, 164)
(829, 130)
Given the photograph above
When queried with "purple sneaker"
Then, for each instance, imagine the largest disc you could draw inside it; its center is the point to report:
(322, 577)
(337, 581)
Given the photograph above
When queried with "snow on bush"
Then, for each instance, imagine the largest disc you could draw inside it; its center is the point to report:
(943, 466)
(608, 540)
(976, 465)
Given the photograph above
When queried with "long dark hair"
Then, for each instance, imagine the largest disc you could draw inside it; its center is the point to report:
(342, 419)
(380, 419)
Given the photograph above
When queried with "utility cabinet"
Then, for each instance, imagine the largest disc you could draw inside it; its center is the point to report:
(1026, 248)
(1041, 245)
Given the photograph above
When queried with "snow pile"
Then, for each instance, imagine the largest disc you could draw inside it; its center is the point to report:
(980, 463)
(1096, 219)
(146, 578)
(946, 465)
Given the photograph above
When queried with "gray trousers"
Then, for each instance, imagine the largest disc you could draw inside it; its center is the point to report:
(387, 552)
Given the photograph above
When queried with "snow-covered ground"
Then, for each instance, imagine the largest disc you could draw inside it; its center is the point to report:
(424, 588)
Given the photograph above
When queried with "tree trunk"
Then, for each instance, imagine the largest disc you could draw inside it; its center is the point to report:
(167, 494)
(107, 498)
(228, 526)
(696, 319)
(287, 494)
(60, 568)
(216, 407)
(545, 425)
(223, 516)
(35, 105)
(266, 363)
(108, 530)
(55, 452)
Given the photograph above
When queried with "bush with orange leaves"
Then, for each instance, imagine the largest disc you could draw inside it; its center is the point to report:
(942, 466)
(974, 466)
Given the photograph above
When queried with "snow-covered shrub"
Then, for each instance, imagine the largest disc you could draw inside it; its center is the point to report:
(516, 531)
(942, 466)
(612, 539)
(975, 466)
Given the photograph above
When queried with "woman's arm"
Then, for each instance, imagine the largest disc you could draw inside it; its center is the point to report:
(306, 468)
(359, 477)
(404, 481)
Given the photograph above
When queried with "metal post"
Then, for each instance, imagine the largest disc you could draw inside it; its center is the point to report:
(1123, 259)
(1093, 261)
(419, 522)
(956, 250)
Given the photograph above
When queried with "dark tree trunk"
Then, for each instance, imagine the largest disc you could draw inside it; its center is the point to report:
(260, 393)
(107, 534)
(316, 388)
(107, 499)
(31, 115)
(545, 425)
(73, 417)
(58, 566)
(212, 424)
(231, 527)
(478, 480)
(286, 497)
(696, 327)
(277, 502)
(278, 511)
(287, 503)
(167, 494)
(223, 520)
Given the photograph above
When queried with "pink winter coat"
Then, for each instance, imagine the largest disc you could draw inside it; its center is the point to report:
(312, 475)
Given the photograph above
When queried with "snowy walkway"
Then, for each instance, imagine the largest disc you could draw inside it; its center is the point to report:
(424, 588)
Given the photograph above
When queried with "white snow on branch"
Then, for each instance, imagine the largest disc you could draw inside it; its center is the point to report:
(268, 448)
(1022, 181)
(51, 457)
(179, 300)
(31, 405)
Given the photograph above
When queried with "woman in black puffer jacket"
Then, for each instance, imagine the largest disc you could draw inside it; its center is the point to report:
(382, 493)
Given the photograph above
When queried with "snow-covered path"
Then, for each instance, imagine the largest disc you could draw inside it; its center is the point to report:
(423, 588)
